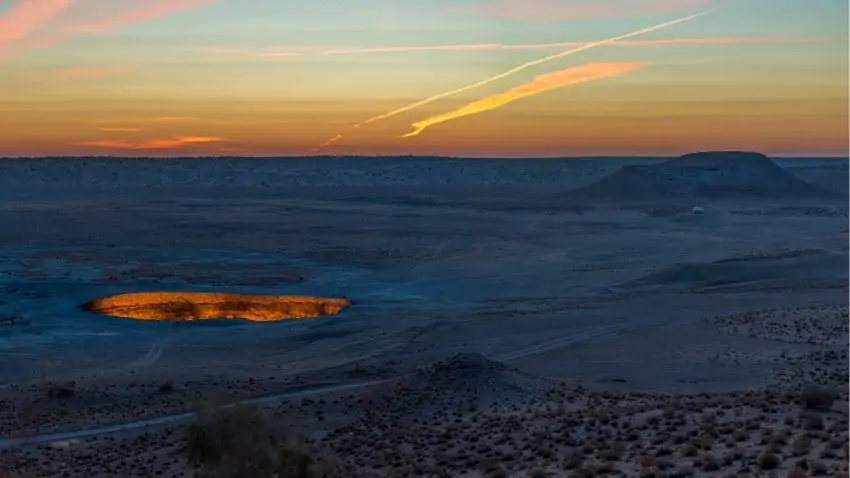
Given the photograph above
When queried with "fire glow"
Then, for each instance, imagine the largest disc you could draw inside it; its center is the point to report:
(191, 306)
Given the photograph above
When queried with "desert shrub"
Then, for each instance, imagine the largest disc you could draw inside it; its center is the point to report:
(242, 441)
(572, 460)
(537, 473)
(768, 461)
(819, 468)
(583, 473)
(611, 454)
(166, 387)
(812, 421)
(801, 446)
(56, 392)
(815, 397)
(710, 463)
(689, 451)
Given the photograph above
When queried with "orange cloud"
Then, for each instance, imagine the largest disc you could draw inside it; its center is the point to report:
(105, 123)
(27, 16)
(172, 118)
(547, 10)
(121, 130)
(158, 9)
(88, 72)
(161, 143)
(543, 83)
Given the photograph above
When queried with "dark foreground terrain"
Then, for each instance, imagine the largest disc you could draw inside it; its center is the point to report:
(506, 317)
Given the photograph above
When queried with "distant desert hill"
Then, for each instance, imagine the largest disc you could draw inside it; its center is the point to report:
(713, 174)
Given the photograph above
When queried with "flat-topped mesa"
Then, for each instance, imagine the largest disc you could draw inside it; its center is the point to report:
(721, 159)
(707, 174)
(189, 306)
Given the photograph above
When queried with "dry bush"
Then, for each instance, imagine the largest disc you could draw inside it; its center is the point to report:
(58, 392)
(812, 421)
(242, 441)
(768, 461)
(797, 473)
(801, 446)
(537, 473)
(689, 451)
(572, 460)
(500, 473)
(815, 397)
(819, 468)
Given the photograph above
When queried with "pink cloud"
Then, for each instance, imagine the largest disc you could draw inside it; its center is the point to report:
(543, 10)
(144, 13)
(156, 143)
(27, 16)
(88, 72)
(21, 27)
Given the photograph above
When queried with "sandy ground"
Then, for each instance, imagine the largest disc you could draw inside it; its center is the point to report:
(511, 333)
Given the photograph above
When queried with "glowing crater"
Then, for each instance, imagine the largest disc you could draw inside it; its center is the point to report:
(188, 306)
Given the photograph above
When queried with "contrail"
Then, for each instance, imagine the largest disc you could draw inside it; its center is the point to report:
(516, 69)
(297, 52)
(541, 84)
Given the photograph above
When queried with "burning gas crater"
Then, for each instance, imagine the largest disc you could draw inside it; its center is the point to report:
(189, 306)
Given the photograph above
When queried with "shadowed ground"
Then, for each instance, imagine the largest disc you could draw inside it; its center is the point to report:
(478, 258)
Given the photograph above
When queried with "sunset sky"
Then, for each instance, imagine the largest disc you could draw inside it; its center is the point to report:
(282, 77)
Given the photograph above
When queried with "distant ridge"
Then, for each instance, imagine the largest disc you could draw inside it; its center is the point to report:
(709, 174)
(649, 158)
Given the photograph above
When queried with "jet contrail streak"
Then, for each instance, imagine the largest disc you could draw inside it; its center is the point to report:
(298, 52)
(541, 84)
(513, 70)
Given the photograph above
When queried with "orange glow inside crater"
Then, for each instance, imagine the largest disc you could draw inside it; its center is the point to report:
(188, 306)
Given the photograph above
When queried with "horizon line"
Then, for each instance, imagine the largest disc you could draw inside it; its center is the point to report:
(412, 156)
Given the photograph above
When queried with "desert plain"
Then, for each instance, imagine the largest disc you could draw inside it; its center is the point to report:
(527, 318)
